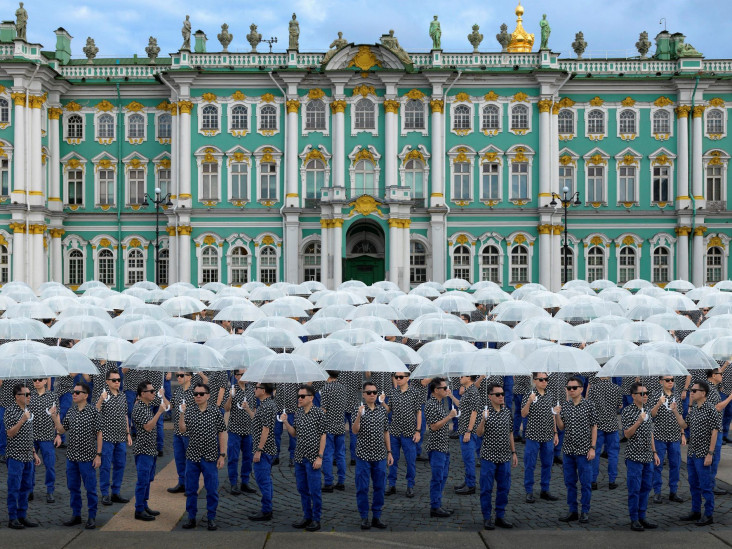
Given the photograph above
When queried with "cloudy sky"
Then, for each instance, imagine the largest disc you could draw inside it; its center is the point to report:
(611, 28)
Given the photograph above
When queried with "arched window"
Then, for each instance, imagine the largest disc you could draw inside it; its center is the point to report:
(311, 262)
(164, 267)
(565, 121)
(595, 264)
(363, 247)
(76, 268)
(520, 117)
(461, 263)
(364, 118)
(209, 265)
(210, 181)
(105, 126)
(315, 115)
(626, 264)
(136, 126)
(268, 118)
(365, 178)
(165, 126)
(210, 118)
(461, 118)
(239, 117)
(4, 177)
(715, 271)
(596, 121)
(627, 122)
(414, 178)
(715, 121)
(461, 181)
(569, 275)
(314, 178)
(136, 185)
(106, 267)
(5, 264)
(519, 264)
(135, 267)
(661, 122)
(268, 265)
(491, 118)
(4, 111)
(491, 264)
(414, 115)
(239, 265)
(239, 172)
(661, 265)
(75, 127)
(268, 181)
(417, 262)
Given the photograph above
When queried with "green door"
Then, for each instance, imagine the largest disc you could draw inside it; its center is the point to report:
(365, 268)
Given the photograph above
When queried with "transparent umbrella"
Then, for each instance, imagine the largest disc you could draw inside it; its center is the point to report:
(296, 300)
(214, 287)
(692, 358)
(241, 357)
(714, 299)
(612, 320)
(183, 356)
(199, 332)
(718, 321)
(613, 294)
(182, 306)
(81, 327)
(281, 323)
(456, 284)
(360, 359)
(275, 338)
(253, 285)
(631, 301)
(387, 296)
(158, 296)
(20, 294)
(680, 286)
(643, 364)
(22, 328)
(704, 335)
(56, 291)
(445, 347)
(6, 302)
(286, 310)
(724, 285)
(454, 304)
(571, 284)
(417, 310)
(438, 326)
(325, 325)
(516, 311)
(524, 347)
(602, 351)
(86, 310)
(139, 293)
(550, 329)
(491, 296)
(484, 284)
(200, 294)
(152, 311)
(405, 353)
(637, 284)
(72, 360)
(379, 310)
(488, 331)
(425, 291)
(587, 310)
(487, 362)
(320, 349)
(672, 321)
(653, 291)
(335, 311)
(678, 302)
(697, 293)
(89, 284)
(601, 284)
(30, 366)
(592, 332)
(643, 332)
(111, 349)
(720, 348)
(562, 359)
(30, 309)
(722, 309)
(355, 336)
(313, 285)
(546, 300)
(121, 302)
(643, 311)
(240, 313)
(381, 326)
(339, 298)
(232, 291)
(146, 285)
(265, 293)
(284, 369)
(351, 284)
(222, 344)
(57, 303)
(145, 327)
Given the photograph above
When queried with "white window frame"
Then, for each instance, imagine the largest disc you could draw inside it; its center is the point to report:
(514, 155)
(482, 265)
(97, 250)
(234, 242)
(352, 168)
(307, 156)
(493, 131)
(74, 140)
(588, 158)
(404, 101)
(205, 253)
(69, 244)
(158, 138)
(511, 264)
(136, 140)
(127, 252)
(529, 118)
(276, 245)
(604, 254)
(97, 179)
(424, 242)
(714, 135)
(206, 155)
(278, 118)
(325, 130)
(229, 118)
(621, 163)
(627, 136)
(671, 172)
(496, 165)
(564, 136)
(209, 132)
(265, 152)
(721, 160)
(66, 169)
(595, 136)
(619, 247)
(668, 267)
(319, 266)
(208, 240)
(671, 124)
(462, 153)
(97, 126)
(721, 241)
(571, 163)
(231, 160)
(159, 167)
(9, 106)
(454, 267)
(425, 167)
(8, 150)
(353, 101)
(471, 118)
(144, 162)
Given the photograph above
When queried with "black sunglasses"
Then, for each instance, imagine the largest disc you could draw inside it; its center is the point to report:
(400, 377)
(696, 390)
(115, 379)
(238, 374)
(444, 388)
(668, 380)
(303, 396)
(25, 394)
(497, 394)
(573, 387)
(366, 392)
(641, 393)
(148, 391)
(259, 387)
(199, 394)
(180, 375)
(80, 392)
(38, 380)
(542, 379)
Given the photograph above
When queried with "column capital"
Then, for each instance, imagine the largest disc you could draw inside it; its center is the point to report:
(437, 105)
(170, 230)
(17, 227)
(557, 229)
(339, 105)
(337, 223)
(700, 230)
(37, 229)
(54, 113)
(544, 229)
(390, 105)
(184, 230)
(699, 111)
(293, 106)
(545, 105)
(18, 98)
(682, 111)
(682, 231)
(36, 101)
(556, 107)
(185, 107)
(56, 232)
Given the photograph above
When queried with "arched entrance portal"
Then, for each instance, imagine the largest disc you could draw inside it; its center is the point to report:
(364, 261)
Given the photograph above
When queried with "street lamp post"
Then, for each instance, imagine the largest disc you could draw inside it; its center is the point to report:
(158, 201)
(567, 201)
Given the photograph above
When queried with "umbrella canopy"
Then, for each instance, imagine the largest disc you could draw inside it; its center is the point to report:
(339, 298)
(232, 291)
(30, 366)
(722, 309)
(86, 310)
(445, 347)
(438, 326)
(123, 302)
(612, 320)
(614, 294)
(183, 356)
(456, 284)
(487, 362)
(672, 321)
(158, 296)
(718, 321)
(227, 301)
(643, 332)
(325, 325)
(383, 327)
(281, 323)
(313, 285)
(275, 338)
(284, 369)
(320, 349)
(337, 311)
(240, 313)
(57, 303)
(516, 311)
(80, 327)
(524, 347)
(491, 296)
(451, 303)
(142, 328)
(20, 294)
(592, 332)
(284, 309)
(417, 310)
(546, 300)
(637, 284)
(680, 285)
(703, 336)
(388, 295)
(153, 311)
(221, 344)
(200, 294)
(488, 331)
(677, 302)
(602, 351)
(241, 357)
(643, 311)
(602, 284)
(643, 364)
(182, 306)
(550, 329)
(109, 348)
(265, 293)
(405, 353)
(691, 358)
(360, 359)
(379, 310)
(712, 299)
(425, 291)
(30, 309)
(720, 348)
(199, 331)
(23, 328)
(356, 336)
(562, 359)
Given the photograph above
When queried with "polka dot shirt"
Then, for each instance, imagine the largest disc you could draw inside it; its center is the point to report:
(496, 445)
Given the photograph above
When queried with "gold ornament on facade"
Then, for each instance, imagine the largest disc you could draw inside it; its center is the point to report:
(162, 106)
(628, 204)
(338, 106)
(567, 160)
(519, 202)
(461, 156)
(545, 105)
(715, 136)
(629, 241)
(268, 240)
(238, 96)
(462, 132)
(491, 96)
(135, 106)
(663, 101)
(314, 154)
(520, 97)
(54, 113)
(715, 241)
(56, 232)
(556, 108)
(414, 154)
(364, 90)
(520, 156)
(267, 98)
(391, 106)
(520, 239)
(135, 163)
(267, 155)
(597, 159)
(491, 157)
(566, 136)
(316, 93)
(185, 107)
(595, 204)
(164, 163)
(597, 101)
(364, 154)
(521, 41)
(682, 111)
(364, 205)
(661, 136)
(628, 136)
(544, 229)
(135, 243)
(557, 229)
(566, 103)
(437, 105)
(661, 160)
(103, 164)
(36, 101)
(629, 160)
(415, 94)
(462, 97)
(716, 102)
(364, 59)
(700, 230)
(293, 105)
(699, 111)
(596, 241)
(73, 164)
(716, 159)
(461, 203)
(184, 230)
(682, 231)
(209, 240)
(239, 203)
(238, 157)
(628, 102)
(209, 97)
(72, 106)
(490, 203)
(170, 230)
(104, 106)
(461, 239)
(105, 243)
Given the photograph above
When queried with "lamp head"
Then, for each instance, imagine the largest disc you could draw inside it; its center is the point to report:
(553, 203)
(145, 202)
(157, 190)
(565, 189)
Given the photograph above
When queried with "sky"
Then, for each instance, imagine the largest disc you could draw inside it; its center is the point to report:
(121, 28)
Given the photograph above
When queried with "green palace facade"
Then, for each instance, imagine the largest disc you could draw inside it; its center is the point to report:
(363, 162)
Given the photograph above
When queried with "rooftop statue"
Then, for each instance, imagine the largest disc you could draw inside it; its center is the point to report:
(435, 33)
(546, 30)
(152, 50)
(503, 37)
(90, 50)
(294, 33)
(186, 32)
(475, 38)
(22, 22)
(390, 42)
(225, 37)
(335, 46)
(254, 37)
(685, 50)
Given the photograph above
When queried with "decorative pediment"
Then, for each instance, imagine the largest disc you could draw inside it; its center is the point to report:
(364, 58)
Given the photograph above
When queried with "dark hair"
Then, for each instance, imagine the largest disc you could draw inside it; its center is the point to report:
(332, 373)
(472, 378)
(268, 387)
(436, 381)
(203, 386)
(635, 386)
(465, 317)
(110, 372)
(578, 379)
(366, 384)
(307, 388)
(536, 374)
(710, 373)
(493, 386)
(703, 385)
(17, 388)
(84, 386)
(142, 386)
(190, 374)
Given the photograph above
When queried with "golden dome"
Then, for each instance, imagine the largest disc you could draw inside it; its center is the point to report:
(521, 41)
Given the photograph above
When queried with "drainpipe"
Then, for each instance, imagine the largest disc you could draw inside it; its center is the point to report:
(120, 169)
(27, 145)
(444, 154)
(282, 213)
(690, 122)
(175, 205)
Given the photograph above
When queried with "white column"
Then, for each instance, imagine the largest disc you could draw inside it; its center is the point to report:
(174, 152)
(36, 179)
(439, 245)
(682, 253)
(437, 197)
(391, 108)
(184, 253)
(325, 254)
(19, 183)
(697, 274)
(291, 158)
(172, 255)
(697, 178)
(292, 246)
(682, 157)
(18, 229)
(54, 172)
(394, 250)
(545, 253)
(555, 262)
(338, 108)
(38, 263)
(184, 191)
(545, 152)
(337, 252)
(404, 283)
(554, 164)
(56, 254)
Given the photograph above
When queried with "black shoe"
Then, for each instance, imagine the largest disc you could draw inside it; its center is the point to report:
(340, 487)
(212, 525)
(177, 489)
(3, 459)
(31, 497)
(313, 526)
(106, 500)
(558, 460)
(594, 486)
(503, 523)
(465, 491)
(420, 457)
(151, 512)
(517, 438)
(160, 453)
(390, 491)
(365, 524)
(73, 521)
(705, 521)
(28, 523)
(570, 517)
(459, 487)
(439, 513)
(292, 462)
(676, 499)
(658, 498)
(300, 524)
(16, 525)
(612, 485)
(488, 525)
(691, 516)
(584, 518)
(530, 498)
(246, 489)
(648, 525)
(719, 492)
(143, 515)
(624, 439)
(376, 523)
(353, 461)
(91, 524)
(548, 496)
(50, 498)
(636, 526)
(454, 435)
(116, 498)
(261, 517)
(603, 455)
(276, 461)
(235, 490)
(726, 439)
(409, 493)
(189, 523)
(327, 489)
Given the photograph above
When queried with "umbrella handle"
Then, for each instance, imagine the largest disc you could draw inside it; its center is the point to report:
(279, 416)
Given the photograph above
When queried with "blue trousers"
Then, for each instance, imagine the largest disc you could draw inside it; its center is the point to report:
(508, 390)
(409, 447)
(210, 482)
(263, 476)
(145, 475)
(366, 473)
(180, 445)
(519, 423)
(578, 467)
(352, 438)
(64, 403)
(335, 445)
(726, 416)
(3, 432)
(278, 436)
(701, 483)
(114, 454)
(467, 449)
(543, 451)
(612, 445)
(76, 473)
(239, 444)
(640, 480)
(673, 451)
(307, 480)
(47, 452)
(501, 474)
(131, 395)
(20, 474)
(440, 465)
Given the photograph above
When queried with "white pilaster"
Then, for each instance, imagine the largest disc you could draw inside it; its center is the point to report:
(173, 262)
(291, 245)
(439, 246)
(545, 255)
(184, 192)
(19, 153)
(337, 252)
(184, 253)
(54, 188)
(682, 253)
(36, 180)
(697, 273)
(19, 240)
(56, 254)
(325, 255)
(291, 158)
(338, 108)
(437, 197)
(682, 159)
(391, 108)
(556, 258)
(404, 280)
(545, 154)
(697, 176)
(38, 262)
(394, 250)
(174, 154)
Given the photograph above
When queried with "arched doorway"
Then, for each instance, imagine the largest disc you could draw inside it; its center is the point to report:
(364, 259)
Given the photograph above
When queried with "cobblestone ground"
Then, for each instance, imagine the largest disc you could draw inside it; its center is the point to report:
(609, 508)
